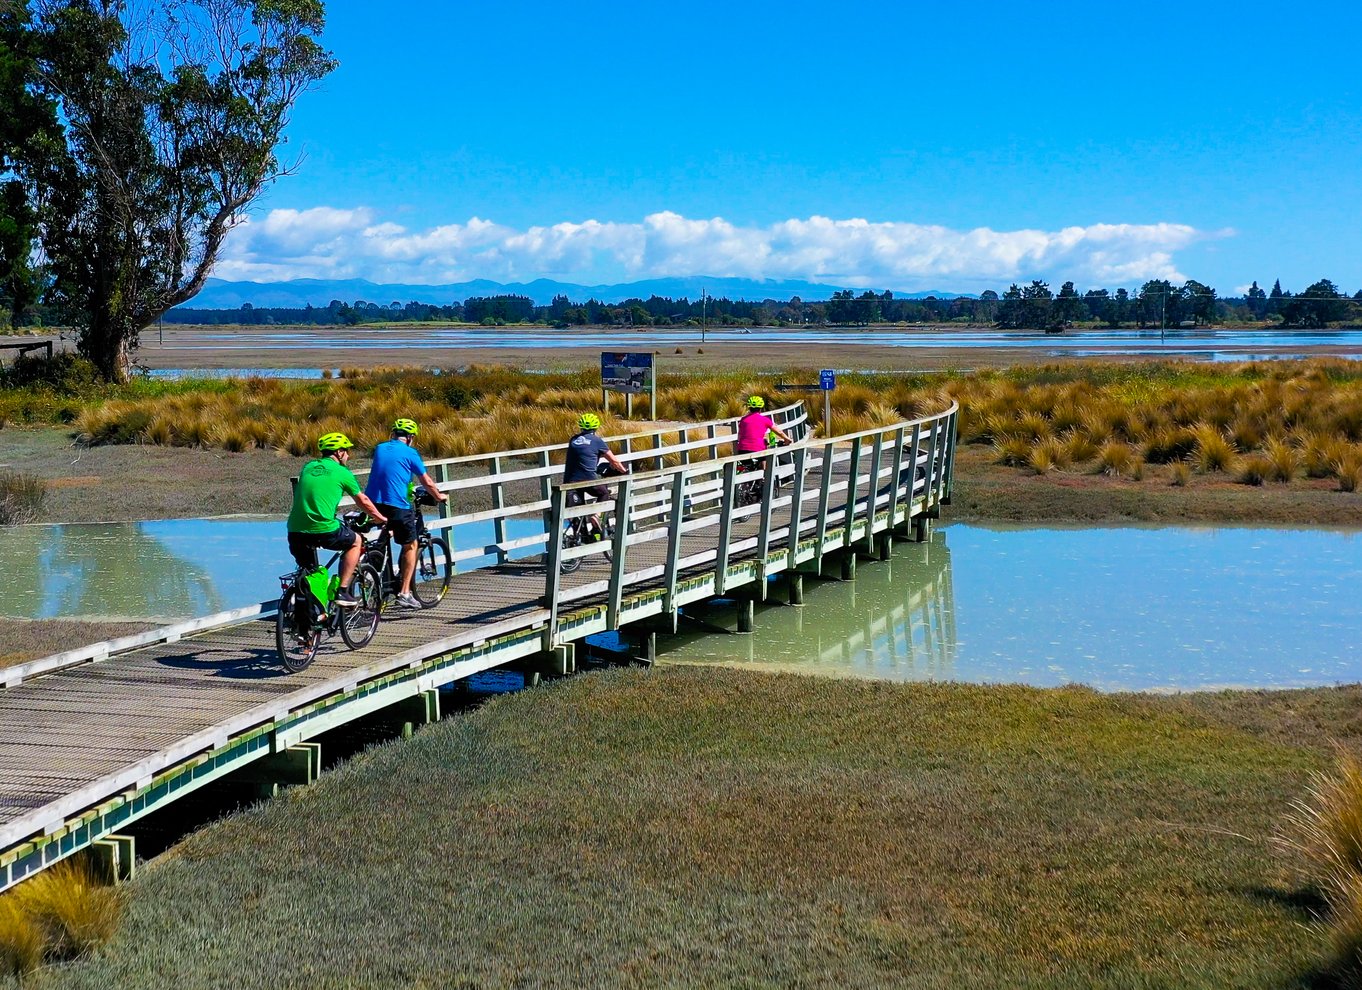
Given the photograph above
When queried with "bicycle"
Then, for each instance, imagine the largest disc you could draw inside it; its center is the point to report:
(308, 612)
(434, 566)
(749, 492)
(583, 528)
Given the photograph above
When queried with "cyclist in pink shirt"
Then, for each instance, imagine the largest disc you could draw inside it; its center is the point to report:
(755, 427)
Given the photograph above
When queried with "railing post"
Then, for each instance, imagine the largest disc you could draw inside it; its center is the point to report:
(552, 559)
(873, 496)
(683, 438)
(498, 502)
(853, 488)
(825, 495)
(446, 507)
(546, 491)
(730, 472)
(768, 495)
(796, 504)
(713, 447)
(952, 440)
(623, 497)
(897, 478)
(929, 483)
(675, 516)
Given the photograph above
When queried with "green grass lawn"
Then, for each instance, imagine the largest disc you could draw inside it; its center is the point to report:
(708, 827)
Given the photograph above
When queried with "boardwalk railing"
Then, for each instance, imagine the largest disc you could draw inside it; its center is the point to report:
(512, 484)
(688, 519)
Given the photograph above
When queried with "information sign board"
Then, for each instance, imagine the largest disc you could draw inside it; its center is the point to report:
(625, 372)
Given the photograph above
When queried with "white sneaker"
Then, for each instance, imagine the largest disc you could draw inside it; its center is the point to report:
(408, 601)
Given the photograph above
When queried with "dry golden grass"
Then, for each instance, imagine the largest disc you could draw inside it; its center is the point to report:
(1212, 452)
(1117, 459)
(1180, 474)
(61, 913)
(21, 941)
(1252, 469)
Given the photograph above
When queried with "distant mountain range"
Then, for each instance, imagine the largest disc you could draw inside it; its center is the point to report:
(298, 293)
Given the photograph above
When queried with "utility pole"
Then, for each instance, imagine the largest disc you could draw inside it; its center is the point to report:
(1163, 312)
(703, 321)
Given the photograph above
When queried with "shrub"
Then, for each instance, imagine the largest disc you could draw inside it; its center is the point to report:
(1180, 475)
(67, 374)
(21, 498)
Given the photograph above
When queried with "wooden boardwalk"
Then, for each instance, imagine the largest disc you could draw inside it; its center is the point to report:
(90, 742)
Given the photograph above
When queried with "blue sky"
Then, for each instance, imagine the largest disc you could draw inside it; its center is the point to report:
(914, 145)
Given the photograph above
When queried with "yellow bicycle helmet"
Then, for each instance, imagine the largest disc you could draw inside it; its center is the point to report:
(407, 426)
(329, 442)
(588, 421)
(756, 402)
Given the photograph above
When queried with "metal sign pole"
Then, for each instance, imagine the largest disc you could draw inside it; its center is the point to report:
(827, 412)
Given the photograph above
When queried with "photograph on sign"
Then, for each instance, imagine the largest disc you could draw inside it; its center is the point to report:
(626, 372)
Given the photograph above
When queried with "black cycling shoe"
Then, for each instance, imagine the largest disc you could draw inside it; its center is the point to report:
(346, 600)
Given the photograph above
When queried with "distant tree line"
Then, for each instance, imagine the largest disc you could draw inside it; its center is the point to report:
(1035, 306)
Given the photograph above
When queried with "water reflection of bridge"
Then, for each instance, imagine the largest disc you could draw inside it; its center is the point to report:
(896, 621)
(93, 739)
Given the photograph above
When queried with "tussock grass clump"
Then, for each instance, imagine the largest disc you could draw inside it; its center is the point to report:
(1349, 472)
(1117, 459)
(1253, 469)
(64, 909)
(1013, 451)
(21, 940)
(1169, 444)
(22, 497)
(1180, 474)
(1212, 452)
(1283, 460)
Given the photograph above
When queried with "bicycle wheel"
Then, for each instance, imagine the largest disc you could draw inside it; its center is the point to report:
(747, 493)
(571, 538)
(608, 533)
(430, 580)
(358, 624)
(297, 647)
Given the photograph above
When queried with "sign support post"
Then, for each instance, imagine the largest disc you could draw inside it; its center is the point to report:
(827, 381)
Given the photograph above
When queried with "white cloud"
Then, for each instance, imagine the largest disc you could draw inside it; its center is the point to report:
(328, 242)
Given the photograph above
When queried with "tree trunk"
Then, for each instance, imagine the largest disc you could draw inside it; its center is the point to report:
(106, 348)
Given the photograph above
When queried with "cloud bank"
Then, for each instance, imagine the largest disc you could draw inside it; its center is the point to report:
(328, 242)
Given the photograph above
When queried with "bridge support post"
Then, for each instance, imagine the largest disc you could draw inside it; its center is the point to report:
(301, 763)
(747, 615)
(422, 709)
(849, 566)
(114, 858)
(922, 526)
(884, 546)
(645, 647)
(796, 584)
(559, 661)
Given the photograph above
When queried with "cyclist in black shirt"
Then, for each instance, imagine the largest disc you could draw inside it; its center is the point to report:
(584, 452)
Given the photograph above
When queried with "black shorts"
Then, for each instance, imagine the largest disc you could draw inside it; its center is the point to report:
(304, 546)
(401, 522)
(601, 493)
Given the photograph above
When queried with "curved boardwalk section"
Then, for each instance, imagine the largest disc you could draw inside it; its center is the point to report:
(93, 739)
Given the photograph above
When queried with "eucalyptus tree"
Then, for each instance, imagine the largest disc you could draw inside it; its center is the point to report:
(173, 111)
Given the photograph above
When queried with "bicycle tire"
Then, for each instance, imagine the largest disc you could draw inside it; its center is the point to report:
(359, 623)
(571, 538)
(296, 649)
(430, 580)
(608, 534)
(747, 493)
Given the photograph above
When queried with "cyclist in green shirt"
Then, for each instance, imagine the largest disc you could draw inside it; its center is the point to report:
(312, 521)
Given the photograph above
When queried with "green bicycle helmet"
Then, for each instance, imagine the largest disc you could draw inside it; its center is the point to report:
(407, 426)
(756, 402)
(588, 421)
(329, 442)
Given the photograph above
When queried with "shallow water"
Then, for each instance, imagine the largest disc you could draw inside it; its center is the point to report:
(166, 569)
(1200, 344)
(1117, 608)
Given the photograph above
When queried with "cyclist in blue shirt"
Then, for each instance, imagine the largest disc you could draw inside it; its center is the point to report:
(585, 451)
(395, 464)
